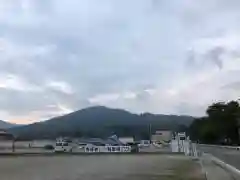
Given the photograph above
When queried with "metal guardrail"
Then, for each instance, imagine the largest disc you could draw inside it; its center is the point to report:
(218, 146)
(235, 173)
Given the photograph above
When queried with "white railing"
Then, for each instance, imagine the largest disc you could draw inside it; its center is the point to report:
(184, 146)
(107, 149)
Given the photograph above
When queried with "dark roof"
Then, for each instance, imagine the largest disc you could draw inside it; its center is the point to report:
(99, 141)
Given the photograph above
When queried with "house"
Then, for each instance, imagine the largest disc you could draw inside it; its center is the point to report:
(6, 140)
(4, 135)
(161, 136)
(126, 140)
(114, 141)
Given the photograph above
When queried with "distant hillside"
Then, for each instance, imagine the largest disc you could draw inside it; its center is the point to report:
(6, 125)
(100, 122)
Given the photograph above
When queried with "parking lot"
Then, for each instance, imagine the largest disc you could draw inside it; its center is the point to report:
(100, 167)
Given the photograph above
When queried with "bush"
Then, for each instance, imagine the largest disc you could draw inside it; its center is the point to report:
(49, 147)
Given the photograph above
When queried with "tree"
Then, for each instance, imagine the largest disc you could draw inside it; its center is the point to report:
(220, 125)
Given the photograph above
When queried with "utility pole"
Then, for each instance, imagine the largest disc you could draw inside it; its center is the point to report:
(238, 121)
(150, 132)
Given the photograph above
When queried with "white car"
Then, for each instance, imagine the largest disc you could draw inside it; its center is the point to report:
(63, 147)
(144, 143)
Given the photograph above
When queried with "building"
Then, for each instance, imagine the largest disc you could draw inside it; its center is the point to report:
(112, 140)
(6, 140)
(126, 140)
(161, 136)
(4, 135)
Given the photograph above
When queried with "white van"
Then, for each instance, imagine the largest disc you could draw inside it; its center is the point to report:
(63, 147)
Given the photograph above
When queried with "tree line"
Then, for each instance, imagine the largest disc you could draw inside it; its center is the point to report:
(219, 126)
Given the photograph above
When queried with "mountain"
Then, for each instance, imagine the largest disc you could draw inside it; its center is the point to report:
(100, 121)
(6, 125)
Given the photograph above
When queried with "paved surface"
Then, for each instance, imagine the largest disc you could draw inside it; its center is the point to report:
(153, 148)
(229, 156)
(214, 171)
(100, 167)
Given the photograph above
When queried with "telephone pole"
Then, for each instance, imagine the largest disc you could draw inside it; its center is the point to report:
(150, 132)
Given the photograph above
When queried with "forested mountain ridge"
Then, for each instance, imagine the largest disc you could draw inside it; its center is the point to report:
(100, 121)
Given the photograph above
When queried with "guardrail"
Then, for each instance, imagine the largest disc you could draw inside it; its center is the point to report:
(218, 146)
(235, 173)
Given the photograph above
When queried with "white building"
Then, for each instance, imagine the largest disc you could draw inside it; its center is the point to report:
(161, 136)
(126, 140)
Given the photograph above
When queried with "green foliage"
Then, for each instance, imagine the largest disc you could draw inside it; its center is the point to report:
(220, 125)
(48, 147)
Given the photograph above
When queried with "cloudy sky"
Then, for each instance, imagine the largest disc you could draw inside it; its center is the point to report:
(171, 57)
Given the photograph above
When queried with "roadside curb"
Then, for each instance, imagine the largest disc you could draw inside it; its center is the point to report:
(203, 168)
(224, 147)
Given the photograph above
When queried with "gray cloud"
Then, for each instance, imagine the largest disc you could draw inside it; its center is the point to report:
(214, 55)
(91, 48)
(233, 86)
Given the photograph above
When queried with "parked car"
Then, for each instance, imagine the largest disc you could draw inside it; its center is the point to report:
(144, 143)
(63, 147)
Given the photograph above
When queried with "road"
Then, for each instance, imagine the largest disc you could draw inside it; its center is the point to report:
(100, 167)
(230, 156)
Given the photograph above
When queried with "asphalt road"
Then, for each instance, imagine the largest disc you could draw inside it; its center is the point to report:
(100, 167)
(229, 156)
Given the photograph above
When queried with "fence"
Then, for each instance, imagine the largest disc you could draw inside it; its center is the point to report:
(116, 149)
(224, 147)
(184, 146)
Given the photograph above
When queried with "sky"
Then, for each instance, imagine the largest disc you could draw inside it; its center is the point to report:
(168, 57)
